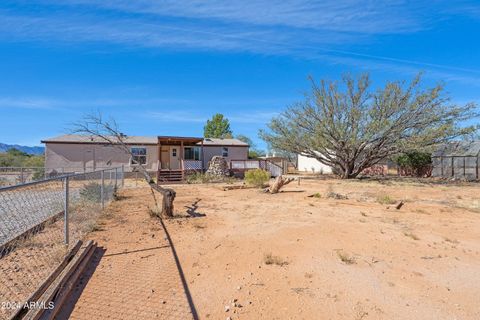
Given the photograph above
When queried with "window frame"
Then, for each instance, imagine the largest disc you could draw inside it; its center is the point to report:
(195, 151)
(138, 156)
(225, 152)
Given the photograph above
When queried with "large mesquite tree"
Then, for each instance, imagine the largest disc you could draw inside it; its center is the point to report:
(351, 127)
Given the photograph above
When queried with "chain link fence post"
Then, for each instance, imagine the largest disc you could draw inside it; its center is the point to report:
(102, 189)
(65, 208)
(123, 175)
(116, 179)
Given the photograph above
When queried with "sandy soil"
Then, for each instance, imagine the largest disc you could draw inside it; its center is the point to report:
(358, 258)
(250, 255)
(133, 274)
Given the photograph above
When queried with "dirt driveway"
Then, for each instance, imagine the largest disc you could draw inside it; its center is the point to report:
(134, 274)
(250, 255)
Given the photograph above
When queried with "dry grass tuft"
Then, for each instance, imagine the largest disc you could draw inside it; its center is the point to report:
(347, 259)
(411, 235)
(385, 199)
(276, 260)
(198, 226)
(454, 241)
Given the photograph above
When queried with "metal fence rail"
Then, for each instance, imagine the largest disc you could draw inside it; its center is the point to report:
(40, 221)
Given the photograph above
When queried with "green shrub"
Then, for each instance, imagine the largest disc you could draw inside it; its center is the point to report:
(257, 177)
(385, 199)
(199, 177)
(91, 192)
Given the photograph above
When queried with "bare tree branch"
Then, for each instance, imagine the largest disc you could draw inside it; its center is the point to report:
(108, 132)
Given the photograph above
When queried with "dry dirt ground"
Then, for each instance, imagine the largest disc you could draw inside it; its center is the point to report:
(250, 255)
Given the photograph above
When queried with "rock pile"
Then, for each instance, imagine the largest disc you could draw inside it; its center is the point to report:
(218, 167)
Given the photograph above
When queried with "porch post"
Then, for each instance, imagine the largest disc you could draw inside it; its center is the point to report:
(159, 167)
(181, 150)
(181, 159)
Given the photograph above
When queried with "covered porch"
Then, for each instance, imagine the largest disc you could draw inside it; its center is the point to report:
(178, 156)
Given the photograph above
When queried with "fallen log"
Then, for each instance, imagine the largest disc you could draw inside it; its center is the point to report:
(279, 182)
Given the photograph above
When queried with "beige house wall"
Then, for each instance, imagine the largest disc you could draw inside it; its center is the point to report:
(79, 157)
(88, 156)
(234, 152)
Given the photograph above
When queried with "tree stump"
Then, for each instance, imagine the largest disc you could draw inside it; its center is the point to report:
(167, 200)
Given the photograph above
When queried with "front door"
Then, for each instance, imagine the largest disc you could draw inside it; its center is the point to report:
(174, 157)
(165, 164)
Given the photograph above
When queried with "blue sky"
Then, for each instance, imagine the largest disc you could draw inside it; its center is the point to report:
(164, 67)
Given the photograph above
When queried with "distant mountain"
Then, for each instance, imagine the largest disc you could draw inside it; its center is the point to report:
(30, 150)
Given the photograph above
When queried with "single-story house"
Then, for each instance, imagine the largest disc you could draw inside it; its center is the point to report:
(168, 157)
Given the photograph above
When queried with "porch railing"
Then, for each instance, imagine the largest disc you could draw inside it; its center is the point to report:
(242, 165)
(192, 165)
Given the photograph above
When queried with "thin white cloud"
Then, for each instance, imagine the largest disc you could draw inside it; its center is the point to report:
(305, 29)
(248, 117)
(58, 104)
(334, 15)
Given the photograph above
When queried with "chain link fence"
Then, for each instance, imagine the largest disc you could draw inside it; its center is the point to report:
(40, 222)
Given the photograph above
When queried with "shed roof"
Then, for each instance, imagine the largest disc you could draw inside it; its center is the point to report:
(458, 149)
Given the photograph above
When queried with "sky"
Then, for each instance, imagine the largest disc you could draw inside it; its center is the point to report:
(165, 67)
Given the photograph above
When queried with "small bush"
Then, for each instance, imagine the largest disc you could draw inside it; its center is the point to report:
(199, 177)
(257, 177)
(276, 260)
(345, 258)
(385, 199)
(338, 196)
(91, 192)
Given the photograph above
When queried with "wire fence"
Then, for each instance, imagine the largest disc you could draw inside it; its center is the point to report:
(40, 222)
(10, 176)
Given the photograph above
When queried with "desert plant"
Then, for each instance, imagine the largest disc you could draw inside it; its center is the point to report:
(276, 260)
(257, 177)
(411, 235)
(199, 177)
(385, 199)
(351, 127)
(92, 192)
(345, 258)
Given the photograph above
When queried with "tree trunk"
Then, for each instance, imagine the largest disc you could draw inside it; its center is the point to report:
(167, 201)
(279, 182)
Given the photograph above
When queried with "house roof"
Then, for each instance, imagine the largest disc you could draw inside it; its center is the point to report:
(76, 138)
(458, 149)
(143, 140)
(224, 142)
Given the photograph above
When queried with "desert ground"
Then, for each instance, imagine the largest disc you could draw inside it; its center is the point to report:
(321, 249)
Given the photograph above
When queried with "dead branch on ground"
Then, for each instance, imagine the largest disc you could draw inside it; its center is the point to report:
(279, 183)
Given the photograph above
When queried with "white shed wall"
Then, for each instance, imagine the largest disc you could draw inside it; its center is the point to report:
(307, 164)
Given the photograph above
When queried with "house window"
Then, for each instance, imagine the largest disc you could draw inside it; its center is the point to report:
(174, 152)
(224, 152)
(139, 155)
(192, 153)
